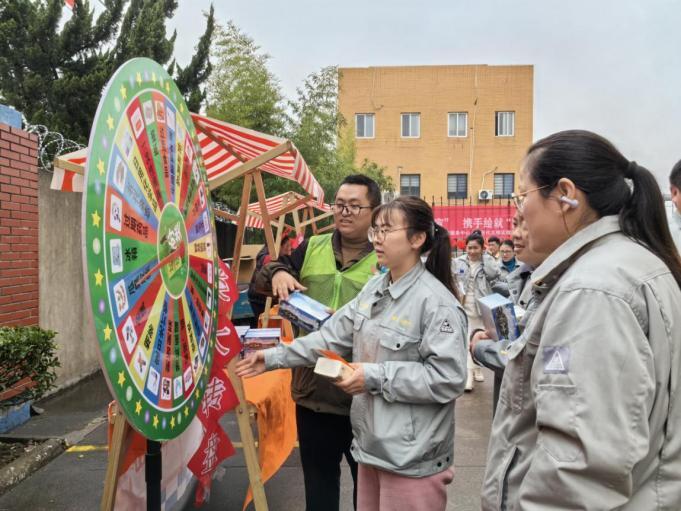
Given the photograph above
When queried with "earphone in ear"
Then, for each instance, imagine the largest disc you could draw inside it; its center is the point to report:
(573, 203)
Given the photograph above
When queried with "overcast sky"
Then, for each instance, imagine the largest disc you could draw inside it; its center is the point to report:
(611, 66)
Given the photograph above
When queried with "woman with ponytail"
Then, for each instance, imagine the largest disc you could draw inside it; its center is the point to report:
(589, 413)
(405, 332)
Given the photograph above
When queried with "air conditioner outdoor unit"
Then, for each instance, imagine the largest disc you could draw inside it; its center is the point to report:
(485, 194)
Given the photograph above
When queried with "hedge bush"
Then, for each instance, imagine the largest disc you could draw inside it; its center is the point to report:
(27, 351)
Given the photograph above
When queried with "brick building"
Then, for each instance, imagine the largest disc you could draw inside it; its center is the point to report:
(446, 133)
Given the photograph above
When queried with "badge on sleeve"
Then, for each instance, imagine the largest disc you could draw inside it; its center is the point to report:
(446, 327)
(556, 359)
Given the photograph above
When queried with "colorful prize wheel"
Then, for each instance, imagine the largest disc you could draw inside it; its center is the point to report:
(149, 250)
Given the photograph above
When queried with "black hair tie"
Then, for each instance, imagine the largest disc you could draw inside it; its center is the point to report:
(630, 172)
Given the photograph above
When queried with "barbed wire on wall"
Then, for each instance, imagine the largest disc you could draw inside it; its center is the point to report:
(50, 144)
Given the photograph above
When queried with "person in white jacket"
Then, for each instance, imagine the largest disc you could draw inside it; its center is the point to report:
(476, 273)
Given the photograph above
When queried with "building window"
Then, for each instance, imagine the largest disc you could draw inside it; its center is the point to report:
(411, 125)
(410, 184)
(505, 124)
(364, 125)
(457, 124)
(503, 185)
(457, 186)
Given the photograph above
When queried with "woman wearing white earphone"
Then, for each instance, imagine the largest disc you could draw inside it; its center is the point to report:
(589, 412)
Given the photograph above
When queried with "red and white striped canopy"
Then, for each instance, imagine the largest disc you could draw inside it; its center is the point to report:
(224, 148)
(68, 171)
(276, 203)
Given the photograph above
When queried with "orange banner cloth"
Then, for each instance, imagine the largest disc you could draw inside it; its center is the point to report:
(271, 394)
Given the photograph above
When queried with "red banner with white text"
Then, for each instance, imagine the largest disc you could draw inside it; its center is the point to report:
(461, 220)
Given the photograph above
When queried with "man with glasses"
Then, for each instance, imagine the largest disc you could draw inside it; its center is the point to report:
(332, 269)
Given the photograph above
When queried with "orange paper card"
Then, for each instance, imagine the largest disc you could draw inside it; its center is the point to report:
(333, 356)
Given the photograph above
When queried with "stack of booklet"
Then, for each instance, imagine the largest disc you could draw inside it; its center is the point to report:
(304, 312)
(256, 339)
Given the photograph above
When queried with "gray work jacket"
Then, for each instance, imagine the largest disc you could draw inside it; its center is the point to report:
(487, 275)
(589, 413)
(410, 335)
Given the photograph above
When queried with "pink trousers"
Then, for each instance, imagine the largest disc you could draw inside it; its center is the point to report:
(378, 490)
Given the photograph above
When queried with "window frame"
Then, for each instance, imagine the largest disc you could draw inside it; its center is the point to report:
(503, 186)
(418, 116)
(411, 175)
(458, 175)
(465, 129)
(365, 114)
(497, 123)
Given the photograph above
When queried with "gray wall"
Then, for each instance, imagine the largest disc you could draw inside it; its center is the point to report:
(62, 294)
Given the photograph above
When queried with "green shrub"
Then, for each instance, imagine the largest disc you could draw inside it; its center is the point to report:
(27, 351)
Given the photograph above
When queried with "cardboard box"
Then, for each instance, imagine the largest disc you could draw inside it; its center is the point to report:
(498, 315)
(247, 263)
(304, 312)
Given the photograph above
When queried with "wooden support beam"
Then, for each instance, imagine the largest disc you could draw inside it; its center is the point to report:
(316, 219)
(260, 189)
(241, 225)
(119, 445)
(248, 440)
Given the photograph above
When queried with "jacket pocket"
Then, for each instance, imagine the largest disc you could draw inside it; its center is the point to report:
(398, 346)
(515, 386)
(556, 420)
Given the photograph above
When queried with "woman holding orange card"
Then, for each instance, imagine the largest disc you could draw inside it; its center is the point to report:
(405, 332)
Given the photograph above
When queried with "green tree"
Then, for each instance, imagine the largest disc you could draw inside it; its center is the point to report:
(241, 89)
(55, 75)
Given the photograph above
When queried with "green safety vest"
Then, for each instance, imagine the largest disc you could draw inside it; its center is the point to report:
(325, 282)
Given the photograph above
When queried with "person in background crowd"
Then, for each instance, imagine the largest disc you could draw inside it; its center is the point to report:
(332, 269)
(507, 263)
(258, 300)
(476, 273)
(493, 246)
(492, 353)
(589, 413)
(507, 258)
(675, 189)
(406, 333)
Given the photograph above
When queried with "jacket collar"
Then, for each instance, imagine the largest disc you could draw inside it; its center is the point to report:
(546, 275)
(397, 289)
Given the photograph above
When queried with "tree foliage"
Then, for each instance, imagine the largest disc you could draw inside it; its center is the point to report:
(55, 74)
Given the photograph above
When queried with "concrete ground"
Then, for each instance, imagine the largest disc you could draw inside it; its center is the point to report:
(74, 480)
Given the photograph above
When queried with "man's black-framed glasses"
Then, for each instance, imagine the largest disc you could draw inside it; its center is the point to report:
(353, 209)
